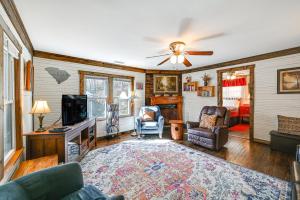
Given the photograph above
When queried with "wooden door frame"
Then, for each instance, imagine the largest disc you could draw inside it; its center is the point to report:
(251, 91)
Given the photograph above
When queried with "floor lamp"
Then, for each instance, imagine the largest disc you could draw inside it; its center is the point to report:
(132, 98)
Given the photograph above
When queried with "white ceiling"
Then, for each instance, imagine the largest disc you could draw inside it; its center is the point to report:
(129, 31)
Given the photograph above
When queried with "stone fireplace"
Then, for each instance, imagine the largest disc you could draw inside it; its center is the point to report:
(170, 107)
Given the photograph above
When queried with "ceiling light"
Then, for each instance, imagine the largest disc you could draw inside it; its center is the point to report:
(173, 59)
(180, 58)
(180, 47)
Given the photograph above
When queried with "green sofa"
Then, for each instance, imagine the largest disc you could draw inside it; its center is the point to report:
(62, 182)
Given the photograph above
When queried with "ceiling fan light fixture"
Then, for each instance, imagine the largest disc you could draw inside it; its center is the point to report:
(180, 58)
(180, 47)
(173, 59)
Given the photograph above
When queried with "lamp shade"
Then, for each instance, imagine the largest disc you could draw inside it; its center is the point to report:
(40, 107)
(123, 95)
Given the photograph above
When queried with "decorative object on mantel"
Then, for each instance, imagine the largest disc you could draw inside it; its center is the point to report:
(165, 83)
(190, 86)
(288, 80)
(205, 79)
(40, 107)
(206, 91)
(59, 75)
(139, 86)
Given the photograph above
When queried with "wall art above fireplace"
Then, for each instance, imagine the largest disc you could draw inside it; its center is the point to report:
(165, 84)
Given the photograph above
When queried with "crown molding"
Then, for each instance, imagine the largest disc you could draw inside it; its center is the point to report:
(150, 71)
(54, 56)
(14, 16)
(250, 59)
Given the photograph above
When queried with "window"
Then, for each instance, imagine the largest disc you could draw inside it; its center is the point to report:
(103, 89)
(9, 99)
(96, 89)
(119, 86)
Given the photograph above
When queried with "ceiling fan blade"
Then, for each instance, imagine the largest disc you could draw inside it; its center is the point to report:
(158, 56)
(200, 53)
(187, 63)
(164, 61)
(209, 37)
(185, 26)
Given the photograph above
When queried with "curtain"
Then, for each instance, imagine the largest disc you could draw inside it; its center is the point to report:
(235, 82)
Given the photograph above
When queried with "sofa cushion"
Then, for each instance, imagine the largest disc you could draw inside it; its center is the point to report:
(202, 132)
(289, 125)
(149, 125)
(208, 121)
(90, 193)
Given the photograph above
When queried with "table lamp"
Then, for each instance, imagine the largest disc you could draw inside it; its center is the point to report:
(40, 107)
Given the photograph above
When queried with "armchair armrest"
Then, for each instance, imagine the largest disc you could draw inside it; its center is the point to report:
(220, 129)
(190, 124)
(161, 122)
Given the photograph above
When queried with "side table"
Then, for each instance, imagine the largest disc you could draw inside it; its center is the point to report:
(176, 129)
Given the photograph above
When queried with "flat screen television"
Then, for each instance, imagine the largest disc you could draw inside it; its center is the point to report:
(73, 109)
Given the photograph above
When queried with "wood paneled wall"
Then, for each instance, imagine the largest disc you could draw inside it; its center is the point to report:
(149, 86)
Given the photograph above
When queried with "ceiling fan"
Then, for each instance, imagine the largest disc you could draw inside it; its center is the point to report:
(178, 54)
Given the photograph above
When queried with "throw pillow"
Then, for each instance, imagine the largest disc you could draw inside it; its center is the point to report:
(289, 125)
(208, 121)
(148, 116)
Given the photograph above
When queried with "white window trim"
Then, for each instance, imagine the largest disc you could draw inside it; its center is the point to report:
(11, 52)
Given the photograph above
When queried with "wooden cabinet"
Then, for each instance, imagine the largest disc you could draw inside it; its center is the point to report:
(83, 134)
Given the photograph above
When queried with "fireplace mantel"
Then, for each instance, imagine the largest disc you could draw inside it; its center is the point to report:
(171, 100)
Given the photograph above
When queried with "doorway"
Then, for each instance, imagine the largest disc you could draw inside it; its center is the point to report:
(236, 92)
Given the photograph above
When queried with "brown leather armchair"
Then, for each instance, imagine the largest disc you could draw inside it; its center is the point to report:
(214, 138)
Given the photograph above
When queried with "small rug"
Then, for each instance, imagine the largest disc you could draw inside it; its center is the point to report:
(240, 128)
(162, 169)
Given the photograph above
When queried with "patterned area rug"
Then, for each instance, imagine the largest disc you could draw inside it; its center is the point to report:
(162, 169)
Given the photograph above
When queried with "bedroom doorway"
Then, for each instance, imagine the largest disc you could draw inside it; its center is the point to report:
(236, 92)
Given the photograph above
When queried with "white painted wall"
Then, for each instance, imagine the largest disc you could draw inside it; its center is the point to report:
(268, 104)
(25, 56)
(46, 88)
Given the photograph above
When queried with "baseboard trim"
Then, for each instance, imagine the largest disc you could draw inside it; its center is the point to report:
(261, 141)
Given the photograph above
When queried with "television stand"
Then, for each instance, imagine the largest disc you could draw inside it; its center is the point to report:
(71, 145)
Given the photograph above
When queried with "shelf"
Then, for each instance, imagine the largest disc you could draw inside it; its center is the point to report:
(190, 86)
(206, 91)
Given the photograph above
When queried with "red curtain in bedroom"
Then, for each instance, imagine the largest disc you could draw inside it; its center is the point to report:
(235, 82)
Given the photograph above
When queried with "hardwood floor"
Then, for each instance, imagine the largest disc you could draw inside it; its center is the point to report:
(239, 151)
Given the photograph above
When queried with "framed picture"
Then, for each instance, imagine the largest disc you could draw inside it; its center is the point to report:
(139, 86)
(165, 83)
(288, 80)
